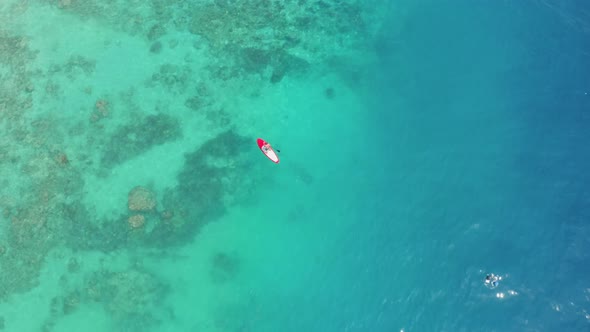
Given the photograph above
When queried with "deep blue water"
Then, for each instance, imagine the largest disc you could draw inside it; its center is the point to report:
(486, 170)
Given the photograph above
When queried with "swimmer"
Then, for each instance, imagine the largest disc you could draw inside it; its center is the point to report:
(492, 280)
(266, 147)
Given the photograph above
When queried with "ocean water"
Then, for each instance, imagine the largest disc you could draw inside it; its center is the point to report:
(424, 145)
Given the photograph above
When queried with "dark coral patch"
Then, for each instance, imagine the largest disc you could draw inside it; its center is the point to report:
(212, 177)
(131, 140)
(224, 267)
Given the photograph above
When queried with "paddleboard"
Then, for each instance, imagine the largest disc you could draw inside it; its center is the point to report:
(268, 150)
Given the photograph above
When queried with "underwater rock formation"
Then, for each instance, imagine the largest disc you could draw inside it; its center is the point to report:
(136, 221)
(141, 199)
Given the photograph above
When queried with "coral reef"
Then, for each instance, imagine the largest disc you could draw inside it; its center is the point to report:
(136, 221)
(131, 140)
(130, 296)
(285, 36)
(73, 265)
(79, 65)
(61, 158)
(102, 109)
(214, 175)
(224, 266)
(156, 47)
(155, 32)
(108, 12)
(237, 24)
(195, 103)
(38, 216)
(71, 302)
(172, 77)
(141, 199)
(16, 77)
(202, 99)
(105, 236)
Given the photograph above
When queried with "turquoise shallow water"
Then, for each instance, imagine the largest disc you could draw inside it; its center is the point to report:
(423, 146)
